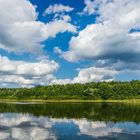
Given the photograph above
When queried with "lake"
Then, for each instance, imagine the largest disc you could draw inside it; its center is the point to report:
(70, 121)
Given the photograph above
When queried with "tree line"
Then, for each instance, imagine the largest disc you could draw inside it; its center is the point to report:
(114, 90)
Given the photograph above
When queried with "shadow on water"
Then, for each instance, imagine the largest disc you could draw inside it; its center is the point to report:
(114, 112)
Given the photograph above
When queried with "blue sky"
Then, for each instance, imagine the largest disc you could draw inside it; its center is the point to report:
(65, 41)
(67, 69)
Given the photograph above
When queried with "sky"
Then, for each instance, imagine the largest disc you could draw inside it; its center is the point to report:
(45, 42)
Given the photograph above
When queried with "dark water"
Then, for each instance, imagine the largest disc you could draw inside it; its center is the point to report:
(65, 121)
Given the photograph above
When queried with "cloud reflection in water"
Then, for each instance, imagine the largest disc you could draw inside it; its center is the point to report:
(28, 127)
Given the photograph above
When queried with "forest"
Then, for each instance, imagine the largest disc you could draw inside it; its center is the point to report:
(90, 91)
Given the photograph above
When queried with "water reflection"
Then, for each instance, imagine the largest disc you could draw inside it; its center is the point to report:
(19, 122)
(25, 127)
(97, 129)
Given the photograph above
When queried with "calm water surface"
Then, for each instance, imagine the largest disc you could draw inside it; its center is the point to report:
(69, 121)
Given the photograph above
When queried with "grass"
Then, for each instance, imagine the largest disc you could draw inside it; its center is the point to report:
(137, 101)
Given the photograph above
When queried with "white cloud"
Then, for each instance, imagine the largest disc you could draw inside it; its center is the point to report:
(95, 74)
(110, 38)
(64, 17)
(24, 73)
(52, 28)
(58, 8)
(61, 81)
(20, 30)
(57, 50)
(90, 7)
(88, 75)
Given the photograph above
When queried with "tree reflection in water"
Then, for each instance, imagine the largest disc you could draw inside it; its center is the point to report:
(69, 121)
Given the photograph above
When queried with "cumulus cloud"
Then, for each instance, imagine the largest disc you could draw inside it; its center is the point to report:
(112, 42)
(90, 74)
(110, 38)
(25, 73)
(57, 26)
(64, 17)
(95, 74)
(91, 6)
(20, 30)
(57, 50)
(58, 8)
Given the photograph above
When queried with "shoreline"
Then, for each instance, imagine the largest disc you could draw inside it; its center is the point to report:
(39, 101)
